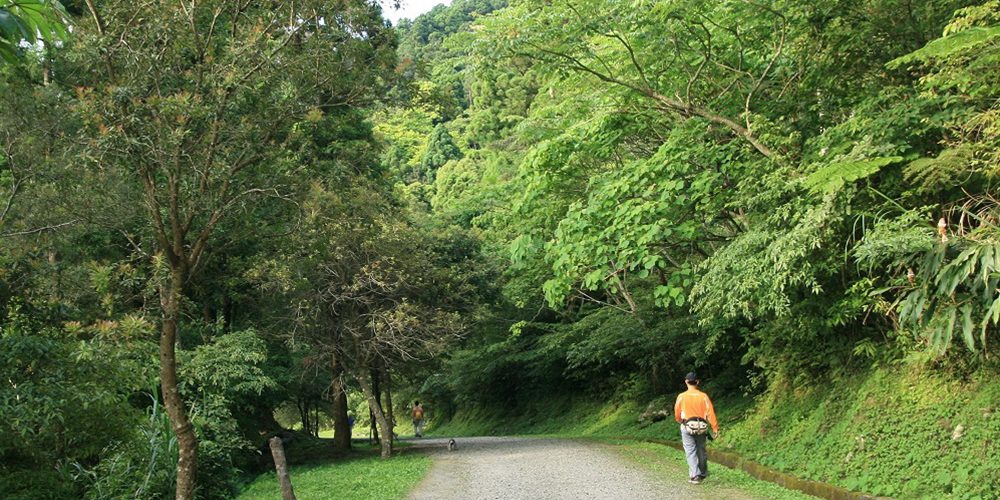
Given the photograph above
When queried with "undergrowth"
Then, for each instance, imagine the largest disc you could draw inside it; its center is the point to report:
(905, 433)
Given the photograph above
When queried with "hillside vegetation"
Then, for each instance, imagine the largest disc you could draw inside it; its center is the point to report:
(891, 432)
(224, 221)
(795, 200)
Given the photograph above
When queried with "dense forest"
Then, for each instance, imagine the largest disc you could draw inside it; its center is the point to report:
(223, 221)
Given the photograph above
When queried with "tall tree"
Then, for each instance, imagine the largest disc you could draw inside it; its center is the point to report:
(370, 290)
(191, 104)
(441, 149)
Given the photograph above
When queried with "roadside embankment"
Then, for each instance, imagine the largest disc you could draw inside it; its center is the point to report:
(902, 431)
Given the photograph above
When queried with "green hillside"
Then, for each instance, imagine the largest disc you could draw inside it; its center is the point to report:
(227, 221)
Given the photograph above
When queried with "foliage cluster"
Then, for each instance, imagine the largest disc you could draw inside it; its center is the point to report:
(196, 231)
(899, 432)
(719, 176)
(776, 195)
(211, 212)
(24, 23)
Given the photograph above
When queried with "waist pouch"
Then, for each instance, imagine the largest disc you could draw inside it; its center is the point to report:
(695, 426)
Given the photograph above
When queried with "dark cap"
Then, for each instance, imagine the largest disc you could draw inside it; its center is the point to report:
(691, 377)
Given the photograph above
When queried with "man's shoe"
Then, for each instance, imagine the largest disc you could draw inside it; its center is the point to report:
(695, 480)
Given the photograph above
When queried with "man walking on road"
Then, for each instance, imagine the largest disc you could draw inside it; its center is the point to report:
(695, 413)
(418, 419)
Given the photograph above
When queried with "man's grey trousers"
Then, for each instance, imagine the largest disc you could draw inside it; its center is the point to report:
(697, 456)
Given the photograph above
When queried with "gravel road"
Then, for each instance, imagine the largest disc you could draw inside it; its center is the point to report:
(526, 468)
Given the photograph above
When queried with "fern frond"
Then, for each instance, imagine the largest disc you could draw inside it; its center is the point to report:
(834, 176)
(949, 46)
(945, 171)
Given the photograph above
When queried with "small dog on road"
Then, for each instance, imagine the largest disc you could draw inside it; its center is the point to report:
(451, 445)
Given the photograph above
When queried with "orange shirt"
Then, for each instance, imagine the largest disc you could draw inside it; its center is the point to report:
(694, 403)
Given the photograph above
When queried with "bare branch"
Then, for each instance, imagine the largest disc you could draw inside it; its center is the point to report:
(40, 229)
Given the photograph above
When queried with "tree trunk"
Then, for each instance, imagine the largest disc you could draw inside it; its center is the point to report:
(341, 421)
(304, 416)
(383, 424)
(316, 421)
(389, 417)
(309, 418)
(341, 426)
(377, 391)
(187, 441)
(373, 432)
(46, 64)
(281, 468)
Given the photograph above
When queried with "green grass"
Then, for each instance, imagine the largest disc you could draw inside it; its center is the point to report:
(404, 428)
(723, 482)
(363, 476)
(902, 432)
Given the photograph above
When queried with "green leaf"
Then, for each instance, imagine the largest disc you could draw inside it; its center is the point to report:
(967, 327)
(8, 52)
(8, 23)
(651, 262)
(991, 316)
(948, 332)
(834, 176)
(948, 46)
(14, 28)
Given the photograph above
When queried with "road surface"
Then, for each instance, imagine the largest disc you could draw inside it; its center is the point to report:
(531, 468)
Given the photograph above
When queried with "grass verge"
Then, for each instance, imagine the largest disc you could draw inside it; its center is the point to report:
(723, 482)
(362, 475)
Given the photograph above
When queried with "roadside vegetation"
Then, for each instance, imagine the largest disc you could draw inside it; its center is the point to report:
(891, 433)
(360, 478)
(794, 200)
(224, 221)
(667, 462)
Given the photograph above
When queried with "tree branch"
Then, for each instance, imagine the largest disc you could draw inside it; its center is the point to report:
(97, 17)
(40, 229)
(666, 103)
